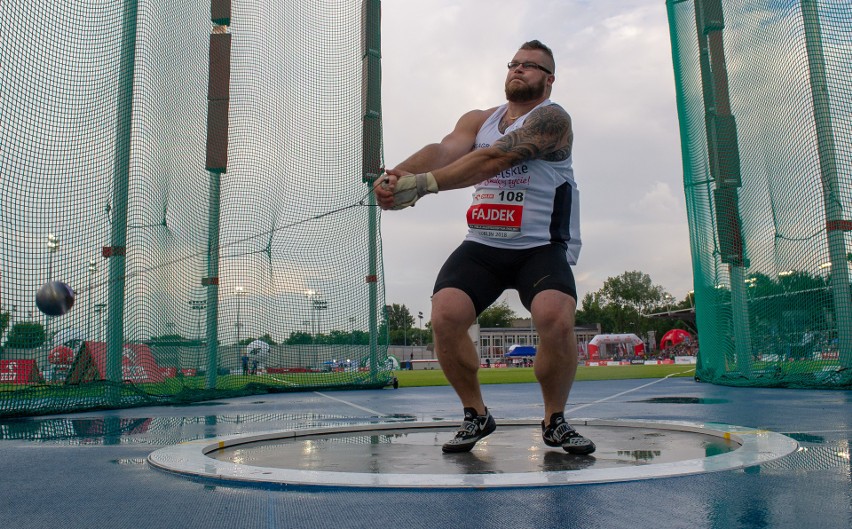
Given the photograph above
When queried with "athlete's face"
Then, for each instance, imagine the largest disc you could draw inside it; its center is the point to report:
(525, 84)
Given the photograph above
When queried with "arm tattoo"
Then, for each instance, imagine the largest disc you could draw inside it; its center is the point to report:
(546, 134)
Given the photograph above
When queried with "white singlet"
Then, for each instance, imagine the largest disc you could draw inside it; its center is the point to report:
(531, 204)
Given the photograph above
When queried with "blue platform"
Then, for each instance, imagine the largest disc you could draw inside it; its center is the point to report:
(90, 470)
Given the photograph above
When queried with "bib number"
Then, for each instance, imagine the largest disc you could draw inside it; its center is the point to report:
(496, 214)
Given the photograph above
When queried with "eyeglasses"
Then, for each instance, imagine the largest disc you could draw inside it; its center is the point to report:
(529, 66)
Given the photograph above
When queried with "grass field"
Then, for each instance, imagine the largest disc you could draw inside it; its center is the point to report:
(516, 375)
(58, 397)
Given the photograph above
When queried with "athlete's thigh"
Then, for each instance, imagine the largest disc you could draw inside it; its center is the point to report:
(474, 269)
(544, 268)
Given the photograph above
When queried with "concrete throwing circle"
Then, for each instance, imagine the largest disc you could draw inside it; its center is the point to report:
(408, 455)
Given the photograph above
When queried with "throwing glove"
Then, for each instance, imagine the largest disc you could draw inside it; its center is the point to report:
(410, 188)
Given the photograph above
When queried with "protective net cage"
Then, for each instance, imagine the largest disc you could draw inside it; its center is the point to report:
(199, 173)
(764, 96)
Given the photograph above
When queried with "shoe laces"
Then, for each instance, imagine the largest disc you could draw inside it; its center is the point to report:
(468, 427)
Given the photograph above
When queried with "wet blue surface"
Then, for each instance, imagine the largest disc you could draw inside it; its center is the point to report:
(89, 470)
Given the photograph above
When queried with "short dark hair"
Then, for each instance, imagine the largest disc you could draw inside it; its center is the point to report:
(538, 45)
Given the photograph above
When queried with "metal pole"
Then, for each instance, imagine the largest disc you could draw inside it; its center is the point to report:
(724, 164)
(212, 280)
(93, 267)
(372, 160)
(120, 185)
(832, 200)
(216, 164)
(239, 293)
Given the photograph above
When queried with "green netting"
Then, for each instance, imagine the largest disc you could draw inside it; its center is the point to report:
(104, 186)
(765, 102)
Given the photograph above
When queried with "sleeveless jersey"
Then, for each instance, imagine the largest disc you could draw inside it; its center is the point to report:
(531, 204)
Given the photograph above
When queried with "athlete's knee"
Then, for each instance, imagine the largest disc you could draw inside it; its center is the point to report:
(452, 312)
(554, 311)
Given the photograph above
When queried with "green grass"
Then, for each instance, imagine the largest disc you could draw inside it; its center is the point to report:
(517, 375)
(407, 379)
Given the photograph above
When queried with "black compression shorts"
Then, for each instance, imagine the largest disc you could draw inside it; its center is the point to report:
(483, 272)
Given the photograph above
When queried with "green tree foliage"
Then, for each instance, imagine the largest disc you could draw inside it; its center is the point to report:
(497, 315)
(299, 338)
(5, 318)
(173, 339)
(786, 308)
(412, 336)
(634, 290)
(265, 338)
(398, 317)
(623, 303)
(334, 337)
(26, 335)
(398, 326)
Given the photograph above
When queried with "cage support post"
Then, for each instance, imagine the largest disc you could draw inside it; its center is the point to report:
(117, 251)
(835, 224)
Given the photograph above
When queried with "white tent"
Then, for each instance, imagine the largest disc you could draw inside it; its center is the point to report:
(630, 340)
(258, 348)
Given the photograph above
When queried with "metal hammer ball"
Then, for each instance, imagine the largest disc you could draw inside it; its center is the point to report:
(55, 298)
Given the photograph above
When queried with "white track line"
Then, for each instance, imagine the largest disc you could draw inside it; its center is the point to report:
(575, 408)
(281, 380)
(362, 408)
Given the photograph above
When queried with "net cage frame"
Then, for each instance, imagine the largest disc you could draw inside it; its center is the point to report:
(763, 95)
(200, 174)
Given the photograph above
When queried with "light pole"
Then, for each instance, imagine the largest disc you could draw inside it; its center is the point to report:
(239, 292)
(99, 310)
(93, 268)
(52, 247)
(310, 295)
(320, 304)
(198, 306)
(420, 326)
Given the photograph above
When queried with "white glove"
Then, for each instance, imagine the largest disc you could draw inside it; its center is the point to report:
(410, 188)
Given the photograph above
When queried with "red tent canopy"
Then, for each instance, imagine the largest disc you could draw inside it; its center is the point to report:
(61, 355)
(674, 337)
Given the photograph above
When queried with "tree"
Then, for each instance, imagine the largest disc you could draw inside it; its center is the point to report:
(634, 290)
(398, 317)
(591, 310)
(299, 338)
(621, 304)
(26, 335)
(5, 318)
(268, 339)
(497, 315)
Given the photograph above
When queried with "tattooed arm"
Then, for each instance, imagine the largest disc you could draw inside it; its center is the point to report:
(546, 135)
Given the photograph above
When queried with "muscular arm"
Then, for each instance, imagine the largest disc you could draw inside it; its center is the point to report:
(546, 134)
(454, 145)
(454, 164)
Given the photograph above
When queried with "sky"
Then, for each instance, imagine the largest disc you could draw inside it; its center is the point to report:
(615, 78)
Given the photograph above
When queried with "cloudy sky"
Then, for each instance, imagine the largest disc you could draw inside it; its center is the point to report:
(614, 75)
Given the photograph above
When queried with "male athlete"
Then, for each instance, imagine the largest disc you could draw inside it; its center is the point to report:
(523, 234)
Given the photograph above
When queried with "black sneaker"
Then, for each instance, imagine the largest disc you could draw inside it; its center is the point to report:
(474, 428)
(560, 433)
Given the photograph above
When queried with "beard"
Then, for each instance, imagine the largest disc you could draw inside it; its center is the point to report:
(524, 92)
